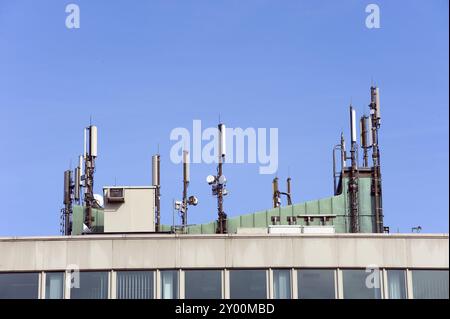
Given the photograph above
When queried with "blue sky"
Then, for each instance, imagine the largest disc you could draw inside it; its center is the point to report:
(141, 69)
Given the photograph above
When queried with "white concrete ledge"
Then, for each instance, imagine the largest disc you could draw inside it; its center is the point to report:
(152, 251)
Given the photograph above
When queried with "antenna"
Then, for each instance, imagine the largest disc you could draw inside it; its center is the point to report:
(77, 184)
(186, 172)
(375, 100)
(276, 193)
(156, 160)
(364, 139)
(93, 141)
(89, 200)
(66, 212)
(343, 155)
(182, 206)
(288, 193)
(375, 123)
(218, 182)
(353, 178)
(222, 141)
(353, 124)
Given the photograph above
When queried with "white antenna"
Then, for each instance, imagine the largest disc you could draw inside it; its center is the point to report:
(369, 133)
(93, 141)
(353, 123)
(84, 147)
(222, 141)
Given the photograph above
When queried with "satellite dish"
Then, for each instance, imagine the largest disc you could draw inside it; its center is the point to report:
(222, 180)
(99, 199)
(193, 200)
(210, 179)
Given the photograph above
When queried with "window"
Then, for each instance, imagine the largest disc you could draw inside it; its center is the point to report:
(54, 285)
(92, 285)
(19, 285)
(281, 284)
(316, 284)
(248, 284)
(396, 284)
(134, 285)
(169, 284)
(361, 284)
(430, 284)
(203, 284)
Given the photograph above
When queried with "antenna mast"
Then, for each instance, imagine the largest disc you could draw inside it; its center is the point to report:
(90, 154)
(343, 155)
(364, 139)
(376, 170)
(182, 206)
(156, 160)
(66, 212)
(353, 178)
(218, 182)
(186, 179)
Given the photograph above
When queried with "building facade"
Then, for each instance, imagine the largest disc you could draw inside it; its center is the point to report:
(232, 266)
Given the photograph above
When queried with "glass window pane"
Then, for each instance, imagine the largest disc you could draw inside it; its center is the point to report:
(359, 284)
(430, 284)
(92, 285)
(19, 285)
(203, 284)
(396, 284)
(282, 284)
(316, 284)
(134, 285)
(169, 284)
(54, 285)
(248, 284)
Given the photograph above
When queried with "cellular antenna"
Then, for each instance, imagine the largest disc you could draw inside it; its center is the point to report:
(218, 181)
(182, 206)
(343, 157)
(89, 169)
(364, 139)
(66, 212)
(353, 178)
(156, 160)
(375, 123)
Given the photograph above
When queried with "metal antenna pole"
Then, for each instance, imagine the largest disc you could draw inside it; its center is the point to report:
(184, 209)
(376, 170)
(353, 181)
(220, 183)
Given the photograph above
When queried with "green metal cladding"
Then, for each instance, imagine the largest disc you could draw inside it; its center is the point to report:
(334, 205)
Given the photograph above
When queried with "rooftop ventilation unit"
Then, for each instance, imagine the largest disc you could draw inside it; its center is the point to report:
(115, 195)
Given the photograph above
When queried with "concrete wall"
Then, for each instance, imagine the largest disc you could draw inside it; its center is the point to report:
(224, 251)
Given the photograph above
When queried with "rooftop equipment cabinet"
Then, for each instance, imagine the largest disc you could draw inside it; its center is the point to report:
(129, 209)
